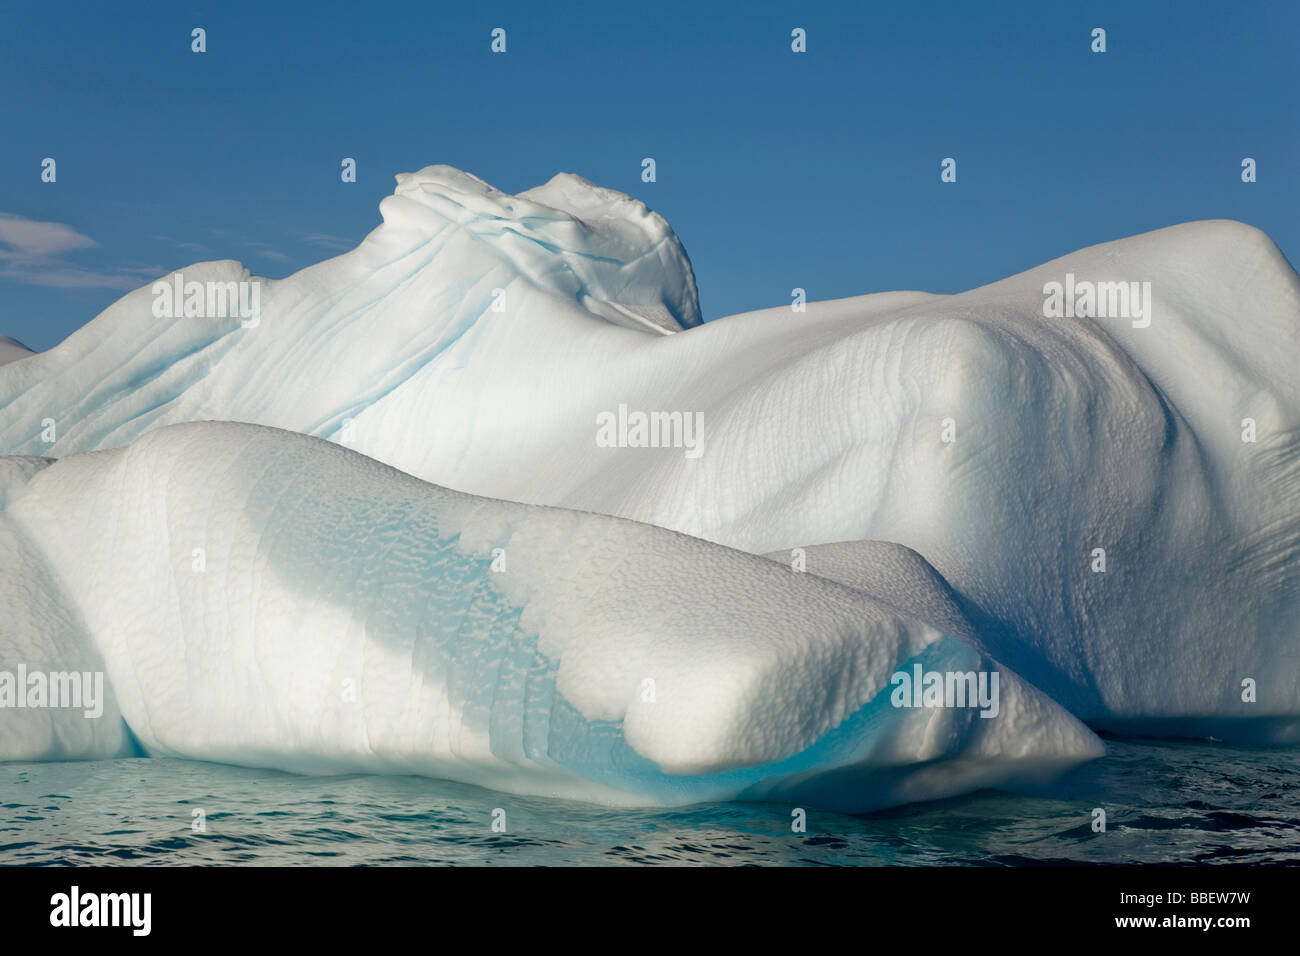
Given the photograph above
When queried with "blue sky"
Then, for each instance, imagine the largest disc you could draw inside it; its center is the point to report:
(818, 170)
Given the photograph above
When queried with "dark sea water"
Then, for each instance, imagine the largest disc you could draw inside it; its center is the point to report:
(1166, 802)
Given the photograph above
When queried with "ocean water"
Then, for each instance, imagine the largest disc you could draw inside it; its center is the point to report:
(1166, 802)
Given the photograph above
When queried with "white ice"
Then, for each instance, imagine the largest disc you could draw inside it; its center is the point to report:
(269, 599)
(474, 338)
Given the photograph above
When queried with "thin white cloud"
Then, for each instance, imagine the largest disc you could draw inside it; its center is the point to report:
(197, 246)
(31, 239)
(326, 241)
(35, 253)
(39, 253)
(262, 249)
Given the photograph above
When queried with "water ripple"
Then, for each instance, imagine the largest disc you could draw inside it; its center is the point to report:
(1165, 802)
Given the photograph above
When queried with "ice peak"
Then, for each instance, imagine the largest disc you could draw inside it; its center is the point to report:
(620, 259)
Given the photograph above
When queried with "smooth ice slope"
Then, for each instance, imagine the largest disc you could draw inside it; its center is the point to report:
(41, 630)
(823, 426)
(269, 599)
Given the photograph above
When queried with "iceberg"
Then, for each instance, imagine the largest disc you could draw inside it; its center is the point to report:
(42, 634)
(270, 599)
(1086, 475)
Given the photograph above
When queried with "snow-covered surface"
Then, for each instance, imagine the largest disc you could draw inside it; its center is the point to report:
(819, 426)
(345, 616)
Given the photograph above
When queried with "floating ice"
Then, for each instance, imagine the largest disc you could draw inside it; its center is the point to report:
(47, 653)
(1108, 504)
(268, 599)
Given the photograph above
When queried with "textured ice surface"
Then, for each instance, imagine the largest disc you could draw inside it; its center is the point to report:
(818, 426)
(345, 616)
(42, 631)
(891, 573)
